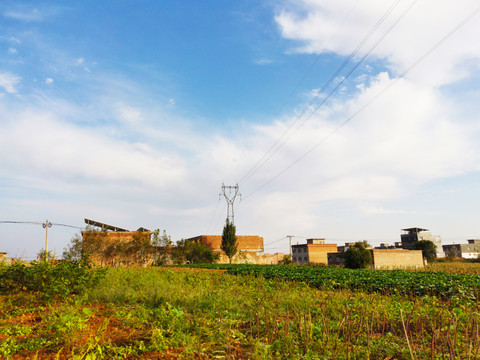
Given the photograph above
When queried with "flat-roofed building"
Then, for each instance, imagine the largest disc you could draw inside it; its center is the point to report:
(411, 236)
(388, 259)
(314, 252)
(249, 249)
(471, 250)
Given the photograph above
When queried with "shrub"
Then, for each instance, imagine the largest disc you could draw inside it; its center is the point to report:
(50, 279)
(429, 249)
(358, 256)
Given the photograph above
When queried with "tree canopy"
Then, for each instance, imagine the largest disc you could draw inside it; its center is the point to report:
(429, 249)
(358, 256)
(229, 240)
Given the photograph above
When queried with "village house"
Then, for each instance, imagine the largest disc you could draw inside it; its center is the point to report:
(250, 249)
(411, 236)
(109, 245)
(471, 250)
(313, 252)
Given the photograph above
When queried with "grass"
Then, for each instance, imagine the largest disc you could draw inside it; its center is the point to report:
(185, 313)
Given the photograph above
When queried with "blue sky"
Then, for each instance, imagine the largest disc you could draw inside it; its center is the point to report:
(135, 113)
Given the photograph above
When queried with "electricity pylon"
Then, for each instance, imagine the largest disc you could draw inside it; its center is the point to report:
(230, 198)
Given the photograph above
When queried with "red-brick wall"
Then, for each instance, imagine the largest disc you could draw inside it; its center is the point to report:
(245, 243)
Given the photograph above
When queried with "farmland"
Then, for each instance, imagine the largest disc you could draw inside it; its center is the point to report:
(240, 313)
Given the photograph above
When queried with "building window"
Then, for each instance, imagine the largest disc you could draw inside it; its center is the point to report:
(306, 258)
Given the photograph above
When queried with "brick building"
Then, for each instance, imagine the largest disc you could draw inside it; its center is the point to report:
(109, 245)
(250, 249)
(314, 251)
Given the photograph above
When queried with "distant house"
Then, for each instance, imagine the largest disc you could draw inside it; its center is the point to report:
(471, 250)
(386, 259)
(314, 252)
(411, 236)
(250, 249)
(109, 245)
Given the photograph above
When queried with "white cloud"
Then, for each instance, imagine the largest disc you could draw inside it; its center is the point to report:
(129, 114)
(48, 81)
(30, 14)
(312, 22)
(263, 61)
(373, 209)
(12, 51)
(9, 81)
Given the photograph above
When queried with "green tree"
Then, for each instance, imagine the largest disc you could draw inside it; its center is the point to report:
(193, 253)
(43, 255)
(162, 247)
(229, 241)
(287, 260)
(82, 246)
(198, 253)
(429, 249)
(358, 256)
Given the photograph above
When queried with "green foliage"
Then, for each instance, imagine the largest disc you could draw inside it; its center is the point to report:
(358, 256)
(49, 279)
(287, 260)
(458, 287)
(161, 247)
(429, 249)
(186, 314)
(229, 240)
(193, 252)
(45, 255)
(141, 250)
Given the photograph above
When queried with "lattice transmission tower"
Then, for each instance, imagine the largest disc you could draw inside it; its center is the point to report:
(230, 193)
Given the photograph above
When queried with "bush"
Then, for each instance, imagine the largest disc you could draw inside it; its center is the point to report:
(429, 249)
(49, 279)
(358, 256)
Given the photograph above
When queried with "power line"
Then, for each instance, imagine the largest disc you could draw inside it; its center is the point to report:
(315, 61)
(274, 241)
(37, 223)
(375, 97)
(279, 143)
(213, 216)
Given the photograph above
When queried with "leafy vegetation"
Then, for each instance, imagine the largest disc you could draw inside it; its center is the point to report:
(459, 287)
(49, 279)
(358, 256)
(206, 314)
(429, 249)
(193, 253)
(229, 240)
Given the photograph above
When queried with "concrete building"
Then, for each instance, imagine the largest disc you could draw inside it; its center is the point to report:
(471, 250)
(388, 259)
(396, 245)
(250, 249)
(314, 252)
(411, 236)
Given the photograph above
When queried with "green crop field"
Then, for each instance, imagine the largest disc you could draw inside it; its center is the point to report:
(70, 311)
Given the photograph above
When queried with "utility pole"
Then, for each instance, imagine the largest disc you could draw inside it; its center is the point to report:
(46, 225)
(290, 243)
(230, 198)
